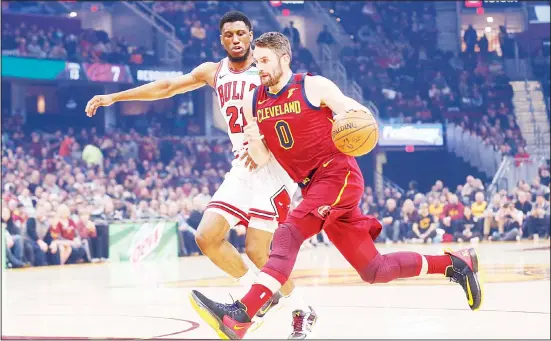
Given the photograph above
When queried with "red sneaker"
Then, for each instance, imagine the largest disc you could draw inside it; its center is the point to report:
(230, 321)
(464, 270)
(303, 323)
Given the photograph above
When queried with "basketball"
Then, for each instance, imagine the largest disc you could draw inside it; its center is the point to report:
(355, 134)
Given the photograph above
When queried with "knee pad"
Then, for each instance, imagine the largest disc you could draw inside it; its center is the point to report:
(285, 246)
(385, 268)
(287, 239)
(369, 274)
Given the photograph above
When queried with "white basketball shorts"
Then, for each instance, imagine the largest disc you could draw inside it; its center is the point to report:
(259, 199)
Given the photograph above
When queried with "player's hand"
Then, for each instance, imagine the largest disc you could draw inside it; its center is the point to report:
(351, 113)
(251, 131)
(249, 163)
(96, 102)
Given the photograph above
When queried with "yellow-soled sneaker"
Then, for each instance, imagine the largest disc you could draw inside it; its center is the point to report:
(464, 270)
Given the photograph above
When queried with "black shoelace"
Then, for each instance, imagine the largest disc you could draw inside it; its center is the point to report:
(230, 308)
(459, 277)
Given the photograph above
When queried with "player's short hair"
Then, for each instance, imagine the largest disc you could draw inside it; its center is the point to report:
(234, 16)
(276, 42)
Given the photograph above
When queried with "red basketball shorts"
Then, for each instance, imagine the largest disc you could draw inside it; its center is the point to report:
(332, 197)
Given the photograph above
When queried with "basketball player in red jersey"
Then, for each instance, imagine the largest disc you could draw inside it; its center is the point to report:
(235, 202)
(291, 115)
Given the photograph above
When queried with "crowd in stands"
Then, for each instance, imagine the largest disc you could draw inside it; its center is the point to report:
(396, 61)
(463, 214)
(198, 29)
(28, 39)
(61, 191)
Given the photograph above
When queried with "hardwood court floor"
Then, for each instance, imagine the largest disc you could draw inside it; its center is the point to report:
(150, 300)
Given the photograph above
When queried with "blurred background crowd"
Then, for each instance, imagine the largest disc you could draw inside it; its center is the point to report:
(64, 182)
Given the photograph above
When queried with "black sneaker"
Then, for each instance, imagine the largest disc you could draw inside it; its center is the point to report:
(464, 270)
(303, 323)
(230, 321)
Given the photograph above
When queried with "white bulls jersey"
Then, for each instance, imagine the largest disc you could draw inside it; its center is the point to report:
(261, 198)
(231, 87)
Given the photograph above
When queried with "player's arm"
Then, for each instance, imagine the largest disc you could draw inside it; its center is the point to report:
(257, 149)
(165, 88)
(321, 90)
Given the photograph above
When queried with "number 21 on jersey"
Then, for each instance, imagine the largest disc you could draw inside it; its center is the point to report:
(237, 119)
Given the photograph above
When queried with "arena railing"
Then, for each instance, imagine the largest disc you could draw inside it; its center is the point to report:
(342, 39)
(384, 182)
(173, 47)
(512, 171)
(472, 149)
(335, 70)
(499, 181)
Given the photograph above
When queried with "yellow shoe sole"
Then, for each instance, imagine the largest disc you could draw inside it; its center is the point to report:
(207, 317)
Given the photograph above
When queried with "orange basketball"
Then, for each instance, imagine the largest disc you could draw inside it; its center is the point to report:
(356, 134)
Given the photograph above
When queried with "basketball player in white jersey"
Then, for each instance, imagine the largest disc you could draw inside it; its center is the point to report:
(257, 199)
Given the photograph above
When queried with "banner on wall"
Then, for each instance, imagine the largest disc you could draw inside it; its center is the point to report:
(108, 73)
(143, 241)
(145, 75)
(400, 135)
(47, 69)
(16, 66)
(492, 4)
(31, 68)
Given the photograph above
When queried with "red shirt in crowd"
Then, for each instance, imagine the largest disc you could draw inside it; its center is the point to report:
(65, 147)
(453, 211)
(521, 158)
(66, 232)
(83, 231)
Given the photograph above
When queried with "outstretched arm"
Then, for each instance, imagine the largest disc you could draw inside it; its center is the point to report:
(165, 88)
(321, 90)
(257, 149)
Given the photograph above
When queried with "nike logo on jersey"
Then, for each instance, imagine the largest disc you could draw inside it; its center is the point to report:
(327, 163)
(222, 76)
(291, 91)
(264, 101)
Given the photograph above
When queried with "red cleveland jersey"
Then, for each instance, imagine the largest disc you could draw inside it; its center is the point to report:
(297, 133)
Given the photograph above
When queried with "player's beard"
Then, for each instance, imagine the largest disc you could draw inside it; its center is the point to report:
(273, 80)
(239, 59)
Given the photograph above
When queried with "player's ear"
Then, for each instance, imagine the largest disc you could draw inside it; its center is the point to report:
(286, 59)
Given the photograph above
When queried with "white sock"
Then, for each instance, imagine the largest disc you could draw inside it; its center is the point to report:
(295, 301)
(424, 266)
(248, 279)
